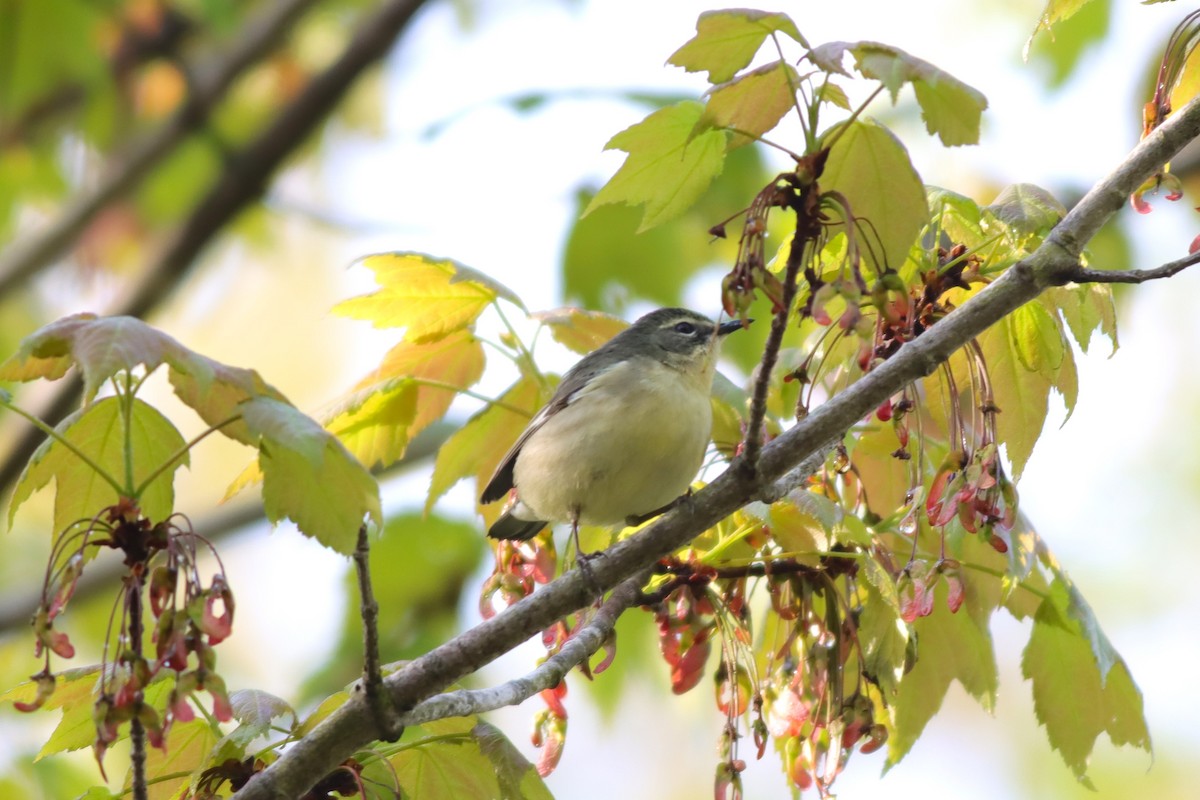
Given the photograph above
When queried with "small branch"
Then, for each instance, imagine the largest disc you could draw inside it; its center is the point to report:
(26, 256)
(583, 642)
(137, 733)
(1082, 274)
(762, 384)
(382, 712)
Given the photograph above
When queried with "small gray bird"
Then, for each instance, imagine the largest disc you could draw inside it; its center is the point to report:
(623, 436)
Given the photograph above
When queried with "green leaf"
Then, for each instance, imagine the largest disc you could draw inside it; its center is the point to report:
(1028, 209)
(309, 476)
(606, 262)
(667, 168)
(578, 329)
(726, 41)
(751, 104)
(105, 346)
(449, 764)
(374, 423)
(1061, 53)
(1037, 339)
(256, 709)
(1086, 308)
(73, 692)
(871, 169)
(1081, 687)
(429, 297)
(413, 387)
(101, 347)
(950, 647)
(477, 448)
(1055, 11)
(1021, 395)
(217, 391)
(950, 108)
(882, 634)
(186, 751)
(98, 432)
(518, 778)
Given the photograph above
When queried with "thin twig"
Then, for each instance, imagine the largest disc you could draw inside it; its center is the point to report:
(1082, 274)
(137, 732)
(378, 700)
(577, 649)
(766, 365)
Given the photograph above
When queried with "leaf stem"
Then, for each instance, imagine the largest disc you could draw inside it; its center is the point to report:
(837, 133)
(58, 437)
(483, 398)
(523, 352)
(180, 453)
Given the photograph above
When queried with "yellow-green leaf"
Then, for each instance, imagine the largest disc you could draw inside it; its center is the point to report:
(217, 391)
(1037, 339)
(1081, 687)
(871, 169)
(667, 169)
(100, 346)
(429, 297)
(753, 103)
(580, 330)
(1086, 308)
(950, 108)
(309, 476)
(1021, 395)
(951, 647)
(1027, 209)
(98, 432)
(187, 747)
(375, 423)
(456, 361)
(726, 41)
(477, 448)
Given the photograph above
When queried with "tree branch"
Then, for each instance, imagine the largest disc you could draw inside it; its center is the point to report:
(29, 254)
(1081, 274)
(386, 725)
(583, 642)
(350, 726)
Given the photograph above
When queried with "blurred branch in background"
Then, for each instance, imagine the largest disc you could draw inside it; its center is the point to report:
(243, 180)
(207, 88)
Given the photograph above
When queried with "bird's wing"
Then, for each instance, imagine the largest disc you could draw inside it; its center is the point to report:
(575, 379)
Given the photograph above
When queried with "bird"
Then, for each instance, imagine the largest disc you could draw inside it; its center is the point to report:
(623, 436)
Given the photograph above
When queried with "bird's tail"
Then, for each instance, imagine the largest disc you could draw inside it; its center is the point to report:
(511, 527)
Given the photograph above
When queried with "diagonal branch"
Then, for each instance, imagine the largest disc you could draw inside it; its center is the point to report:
(350, 726)
(1082, 274)
(27, 255)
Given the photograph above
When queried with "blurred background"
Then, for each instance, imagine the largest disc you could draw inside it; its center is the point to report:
(477, 137)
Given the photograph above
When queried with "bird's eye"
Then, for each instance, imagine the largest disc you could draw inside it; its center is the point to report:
(686, 328)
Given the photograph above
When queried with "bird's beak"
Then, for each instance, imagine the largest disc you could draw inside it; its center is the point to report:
(726, 328)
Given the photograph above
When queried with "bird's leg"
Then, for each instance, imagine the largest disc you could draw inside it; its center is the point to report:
(634, 520)
(582, 558)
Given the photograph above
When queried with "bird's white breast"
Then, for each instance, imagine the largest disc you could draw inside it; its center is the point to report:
(611, 452)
